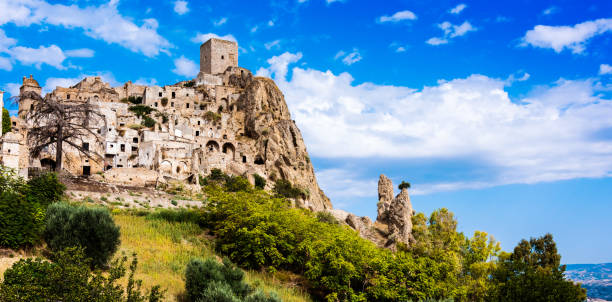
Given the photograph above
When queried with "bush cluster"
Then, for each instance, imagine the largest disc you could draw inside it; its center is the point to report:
(284, 188)
(132, 99)
(210, 281)
(257, 230)
(260, 182)
(93, 229)
(6, 121)
(141, 110)
(23, 205)
(235, 183)
(69, 278)
(212, 116)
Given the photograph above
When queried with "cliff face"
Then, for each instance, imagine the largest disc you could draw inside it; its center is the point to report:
(279, 143)
(234, 122)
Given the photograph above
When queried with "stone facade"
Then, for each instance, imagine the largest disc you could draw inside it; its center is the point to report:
(228, 120)
(217, 55)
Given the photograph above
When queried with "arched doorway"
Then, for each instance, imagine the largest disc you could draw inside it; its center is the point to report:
(47, 164)
(230, 150)
(212, 146)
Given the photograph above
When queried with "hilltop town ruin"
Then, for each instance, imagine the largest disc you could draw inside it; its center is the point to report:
(225, 118)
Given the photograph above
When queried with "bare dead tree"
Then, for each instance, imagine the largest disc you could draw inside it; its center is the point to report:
(52, 121)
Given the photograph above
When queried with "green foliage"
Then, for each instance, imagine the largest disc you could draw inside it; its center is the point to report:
(212, 116)
(148, 122)
(69, 278)
(132, 99)
(164, 101)
(21, 216)
(189, 84)
(237, 183)
(404, 185)
(6, 121)
(141, 110)
(327, 217)
(284, 188)
(260, 182)
(45, 189)
(90, 228)
(210, 281)
(21, 222)
(174, 203)
(533, 272)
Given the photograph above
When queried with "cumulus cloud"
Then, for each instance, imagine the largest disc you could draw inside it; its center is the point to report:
(201, 38)
(185, 67)
(397, 17)
(451, 31)
(51, 55)
(102, 22)
(605, 69)
(349, 58)
(553, 133)
(457, 9)
(573, 38)
(12, 89)
(180, 7)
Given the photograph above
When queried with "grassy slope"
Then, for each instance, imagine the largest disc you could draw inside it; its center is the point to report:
(164, 249)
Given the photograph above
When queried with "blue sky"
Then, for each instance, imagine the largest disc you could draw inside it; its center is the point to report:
(499, 111)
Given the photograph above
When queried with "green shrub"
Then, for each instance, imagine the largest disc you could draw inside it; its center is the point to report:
(260, 182)
(237, 183)
(45, 189)
(284, 188)
(404, 185)
(260, 296)
(210, 281)
(6, 121)
(21, 222)
(141, 110)
(174, 203)
(90, 228)
(212, 116)
(164, 101)
(327, 217)
(189, 84)
(148, 122)
(69, 278)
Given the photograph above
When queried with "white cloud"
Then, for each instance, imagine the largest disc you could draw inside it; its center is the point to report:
(400, 49)
(80, 53)
(397, 17)
(146, 81)
(457, 9)
(270, 23)
(551, 10)
(451, 31)
(254, 28)
(436, 41)
(349, 58)
(102, 22)
(52, 55)
(201, 38)
(605, 69)
(5, 64)
(520, 76)
(185, 67)
(272, 44)
(12, 89)
(559, 38)
(5, 42)
(180, 7)
(220, 22)
(552, 134)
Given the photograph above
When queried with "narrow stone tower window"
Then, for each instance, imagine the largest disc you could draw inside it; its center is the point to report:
(173, 94)
(222, 58)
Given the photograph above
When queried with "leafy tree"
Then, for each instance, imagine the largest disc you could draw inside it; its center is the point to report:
(21, 222)
(45, 189)
(6, 121)
(533, 272)
(237, 183)
(284, 188)
(69, 278)
(210, 281)
(90, 228)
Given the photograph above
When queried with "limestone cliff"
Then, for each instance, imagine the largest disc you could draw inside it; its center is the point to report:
(279, 143)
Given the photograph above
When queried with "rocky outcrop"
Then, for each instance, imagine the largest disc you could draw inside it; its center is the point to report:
(398, 218)
(279, 147)
(385, 196)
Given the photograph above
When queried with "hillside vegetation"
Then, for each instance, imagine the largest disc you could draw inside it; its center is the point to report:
(289, 254)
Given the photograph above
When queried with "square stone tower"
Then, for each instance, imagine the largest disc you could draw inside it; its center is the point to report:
(217, 55)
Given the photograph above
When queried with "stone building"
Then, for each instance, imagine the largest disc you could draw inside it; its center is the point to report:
(224, 118)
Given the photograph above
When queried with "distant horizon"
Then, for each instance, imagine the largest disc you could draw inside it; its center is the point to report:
(498, 111)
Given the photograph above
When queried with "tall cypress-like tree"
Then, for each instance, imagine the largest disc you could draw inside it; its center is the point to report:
(6, 121)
